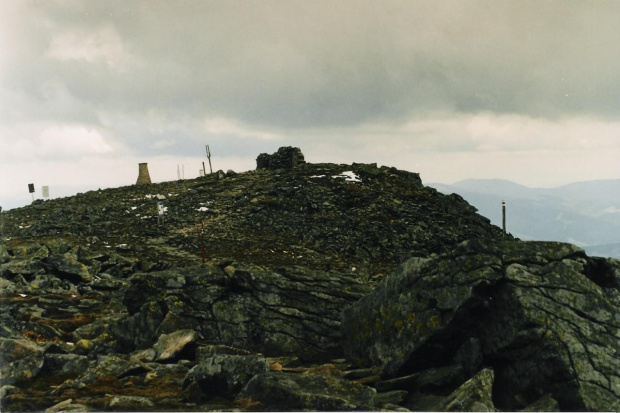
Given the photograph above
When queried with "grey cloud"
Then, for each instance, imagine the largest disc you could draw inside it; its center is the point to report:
(299, 64)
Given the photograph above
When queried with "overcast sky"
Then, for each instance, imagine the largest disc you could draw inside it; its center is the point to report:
(521, 90)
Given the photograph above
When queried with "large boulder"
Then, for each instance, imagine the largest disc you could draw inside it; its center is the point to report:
(294, 311)
(543, 315)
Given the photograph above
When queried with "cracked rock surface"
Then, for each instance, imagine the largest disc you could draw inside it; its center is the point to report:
(543, 316)
(102, 308)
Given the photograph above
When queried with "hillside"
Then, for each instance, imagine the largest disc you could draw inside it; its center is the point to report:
(320, 216)
(584, 213)
(314, 287)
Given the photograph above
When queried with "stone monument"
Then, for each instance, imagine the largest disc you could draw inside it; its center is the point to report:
(143, 174)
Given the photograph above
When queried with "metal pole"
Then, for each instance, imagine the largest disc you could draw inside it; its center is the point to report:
(504, 219)
(204, 170)
(209, 158)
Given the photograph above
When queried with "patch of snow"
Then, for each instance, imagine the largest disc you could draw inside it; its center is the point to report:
(134, 208)
(203, 209)
(349, 176)
(23, 295)
(317, 176)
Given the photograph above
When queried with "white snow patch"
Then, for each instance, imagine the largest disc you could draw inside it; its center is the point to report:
(203, 209)
(317, 176)
(23, 295)
(349, 176)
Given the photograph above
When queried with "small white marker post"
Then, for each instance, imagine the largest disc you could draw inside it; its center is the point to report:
(31, 190)
(160, 209)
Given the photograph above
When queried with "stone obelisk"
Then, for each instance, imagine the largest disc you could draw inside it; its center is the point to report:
(143, 174)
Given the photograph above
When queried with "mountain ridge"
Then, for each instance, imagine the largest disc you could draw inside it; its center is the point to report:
(586, 213)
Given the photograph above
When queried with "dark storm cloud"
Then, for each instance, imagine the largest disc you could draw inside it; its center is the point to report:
(287, 64)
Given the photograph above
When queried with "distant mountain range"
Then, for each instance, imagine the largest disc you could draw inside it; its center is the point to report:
(583, 213)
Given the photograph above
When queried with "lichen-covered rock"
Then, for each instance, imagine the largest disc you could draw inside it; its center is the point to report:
(292, 311)
(225, 375)
(475, 395)
(307, 392)
(544, 325)
(113, 365)
(67, 265)
(20, 361)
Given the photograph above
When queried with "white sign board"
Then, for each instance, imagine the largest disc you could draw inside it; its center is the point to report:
(45, 190)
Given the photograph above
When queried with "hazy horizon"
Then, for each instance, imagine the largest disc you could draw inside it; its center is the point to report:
(524, 91)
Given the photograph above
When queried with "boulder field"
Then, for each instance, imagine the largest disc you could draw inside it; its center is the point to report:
(314, 287)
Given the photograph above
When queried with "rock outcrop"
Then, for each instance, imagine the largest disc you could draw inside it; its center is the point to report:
(291, 311)
(293, 306)
(543, 316)
(285, 158)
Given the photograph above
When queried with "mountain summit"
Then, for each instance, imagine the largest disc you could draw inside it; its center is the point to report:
(297, 286)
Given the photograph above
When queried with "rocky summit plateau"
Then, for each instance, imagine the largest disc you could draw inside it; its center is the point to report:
(297, 286)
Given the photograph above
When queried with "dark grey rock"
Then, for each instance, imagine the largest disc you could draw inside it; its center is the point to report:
(543, 324)
(545, 404)
(307, 392)
(475, 395)
(225, 375)
(293, 311)
(20, 361)
(285, 158)
(113, 365)
(66, 365)
(67, 266)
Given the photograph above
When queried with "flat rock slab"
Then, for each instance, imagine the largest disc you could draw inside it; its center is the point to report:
(307, 392)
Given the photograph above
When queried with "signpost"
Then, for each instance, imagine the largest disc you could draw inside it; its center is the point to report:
(31, 190)
(45, 191)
